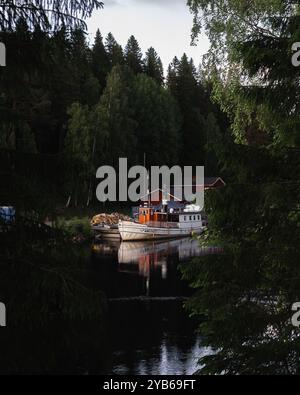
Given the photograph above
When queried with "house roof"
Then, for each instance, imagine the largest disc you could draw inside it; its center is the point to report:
(212, 181)
(209, 182)
(150, 194)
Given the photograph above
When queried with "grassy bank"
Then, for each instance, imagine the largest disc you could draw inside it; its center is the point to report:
(75, 221)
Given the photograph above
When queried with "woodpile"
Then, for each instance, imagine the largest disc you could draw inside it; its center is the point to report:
(109, 219)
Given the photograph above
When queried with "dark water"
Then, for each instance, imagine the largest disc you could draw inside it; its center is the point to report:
(149, 330)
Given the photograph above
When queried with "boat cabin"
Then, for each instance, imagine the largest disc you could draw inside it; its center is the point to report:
(182, 217)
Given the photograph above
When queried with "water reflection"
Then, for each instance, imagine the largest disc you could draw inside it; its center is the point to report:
(152, 266)
(150, 332)
(153, 337)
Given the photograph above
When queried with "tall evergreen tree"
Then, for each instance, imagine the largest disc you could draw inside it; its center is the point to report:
(100, 60)
(172, 76)
(114, 51)
(87, 87)
(183, 84)
(153, 66)
(133, 55)
(117, 116)
(158, 118)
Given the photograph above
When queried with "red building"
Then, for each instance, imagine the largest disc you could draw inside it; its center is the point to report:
(209, 183)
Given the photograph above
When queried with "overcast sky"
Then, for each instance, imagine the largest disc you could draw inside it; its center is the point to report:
(164, 24)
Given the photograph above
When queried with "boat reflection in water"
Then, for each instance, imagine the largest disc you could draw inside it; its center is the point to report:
(153, 262)
(146, 255)
(150, 332)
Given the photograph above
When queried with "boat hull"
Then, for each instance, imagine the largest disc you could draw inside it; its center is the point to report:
(107, 233)
(134, 232)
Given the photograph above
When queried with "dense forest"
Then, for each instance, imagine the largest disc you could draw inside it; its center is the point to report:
(69, 107)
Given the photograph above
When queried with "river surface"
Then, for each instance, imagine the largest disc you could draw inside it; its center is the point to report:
(149, 330)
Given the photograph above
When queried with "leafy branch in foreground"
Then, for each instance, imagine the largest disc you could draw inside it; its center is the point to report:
(251, 51)
(49, 14)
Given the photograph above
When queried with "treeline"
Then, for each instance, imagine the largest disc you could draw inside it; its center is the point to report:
(90, 105)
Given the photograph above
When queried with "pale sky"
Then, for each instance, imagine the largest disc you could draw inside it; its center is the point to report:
(163, 24)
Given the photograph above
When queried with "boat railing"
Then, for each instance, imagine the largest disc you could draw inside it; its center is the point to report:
(167, 225)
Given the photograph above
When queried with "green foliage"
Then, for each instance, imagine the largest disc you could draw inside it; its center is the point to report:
(47, 14)
(51, 302)
(100, 60)
(251, 48)
(153, 66)
(133, 55)
(117, 116)
(244, 299)
(76, 227)
(79, 108)
(193, 98)
(158, 122)
(244, 296)
(114, 51)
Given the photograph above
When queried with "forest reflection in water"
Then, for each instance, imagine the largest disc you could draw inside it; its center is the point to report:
(149, 330)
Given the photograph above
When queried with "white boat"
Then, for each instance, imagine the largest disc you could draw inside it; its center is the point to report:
(106, 232)
(155, 225)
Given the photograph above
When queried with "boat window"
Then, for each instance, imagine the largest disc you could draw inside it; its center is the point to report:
(194, 217)
(199, 217)
(185, 218)
(191, 218)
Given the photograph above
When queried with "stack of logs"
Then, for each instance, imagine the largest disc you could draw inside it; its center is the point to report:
(109, 219)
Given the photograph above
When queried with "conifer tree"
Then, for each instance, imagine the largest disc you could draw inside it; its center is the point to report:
(153, 66)
(133, 55)
(117, 116)
(100, 60)
(114, 51)
(183, 85)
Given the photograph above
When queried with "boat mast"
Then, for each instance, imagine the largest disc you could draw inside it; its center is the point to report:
(146, 187)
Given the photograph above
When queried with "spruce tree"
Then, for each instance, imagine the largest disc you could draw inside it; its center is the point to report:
(100, 60)
(183, 85)
(158, 119)
(114, 51)
(133, 55)
(153, 66)
(116, 115)
(86, 86)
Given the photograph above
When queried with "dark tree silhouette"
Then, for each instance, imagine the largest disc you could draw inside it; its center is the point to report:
(46, 13)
